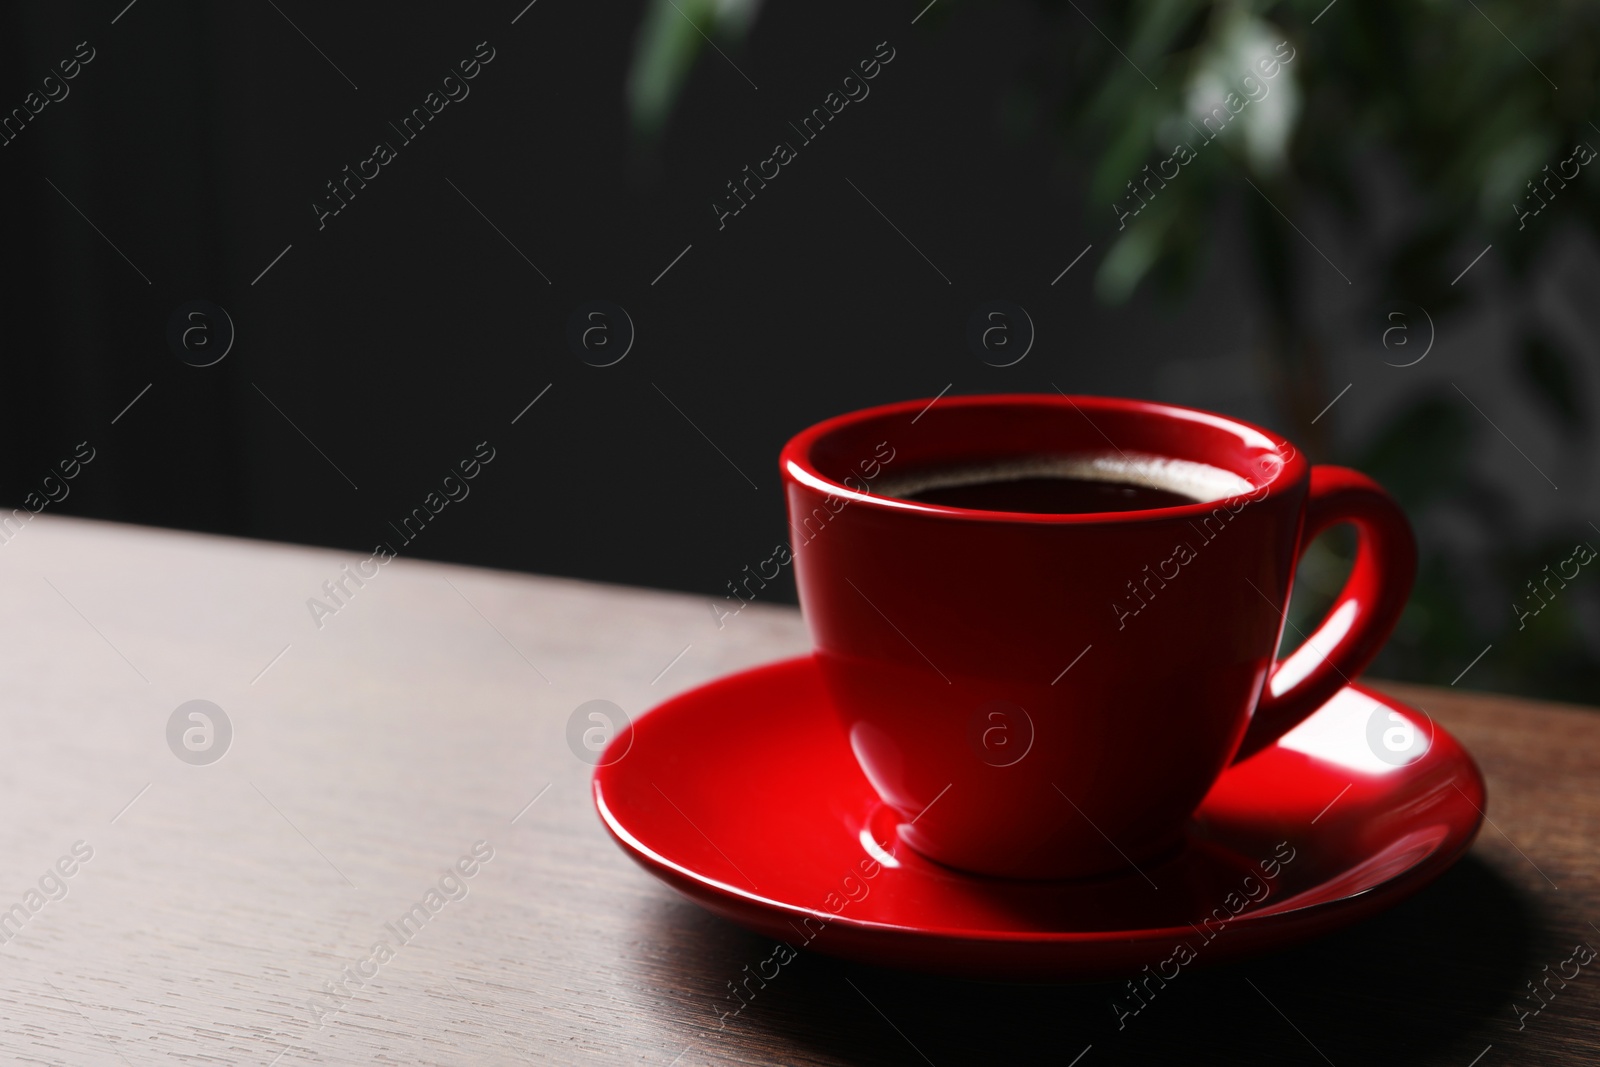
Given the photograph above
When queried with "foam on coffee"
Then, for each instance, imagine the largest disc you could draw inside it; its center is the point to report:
(1199, 482)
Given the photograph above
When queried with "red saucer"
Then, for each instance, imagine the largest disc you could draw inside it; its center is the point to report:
(744, 796)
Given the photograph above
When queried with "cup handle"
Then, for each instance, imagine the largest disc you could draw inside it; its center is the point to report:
(1361, 618)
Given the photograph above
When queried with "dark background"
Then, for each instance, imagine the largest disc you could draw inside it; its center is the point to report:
(381, 349)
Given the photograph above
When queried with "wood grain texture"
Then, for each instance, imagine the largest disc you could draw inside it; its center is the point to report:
(423, 717)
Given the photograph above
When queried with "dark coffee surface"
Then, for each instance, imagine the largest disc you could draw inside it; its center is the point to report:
(1051, 495)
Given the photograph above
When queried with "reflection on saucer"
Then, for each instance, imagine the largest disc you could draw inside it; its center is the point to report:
(1361, 734)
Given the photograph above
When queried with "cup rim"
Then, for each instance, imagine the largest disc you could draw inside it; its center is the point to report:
(795, 462)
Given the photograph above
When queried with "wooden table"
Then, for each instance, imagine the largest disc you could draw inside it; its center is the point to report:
(429, 712)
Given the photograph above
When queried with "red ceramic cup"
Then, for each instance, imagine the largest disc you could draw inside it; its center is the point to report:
(1051, 695)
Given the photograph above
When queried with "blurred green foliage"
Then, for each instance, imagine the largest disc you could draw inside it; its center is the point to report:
(1451, 110)
(1421, 127)
(669, 39)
